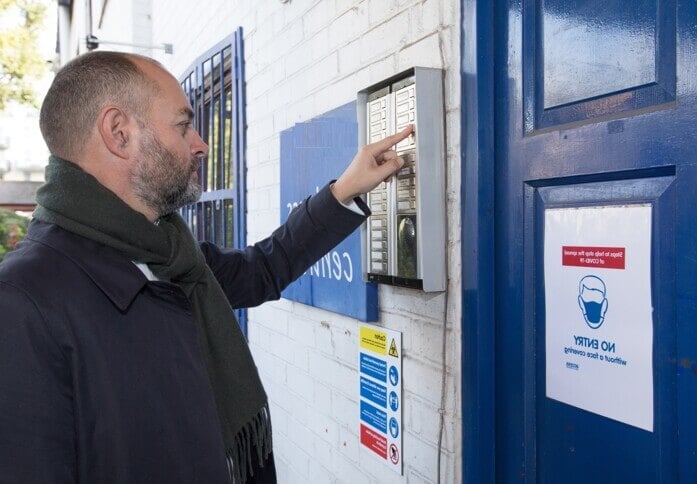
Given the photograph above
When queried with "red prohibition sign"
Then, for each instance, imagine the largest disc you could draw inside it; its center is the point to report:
(394, 454)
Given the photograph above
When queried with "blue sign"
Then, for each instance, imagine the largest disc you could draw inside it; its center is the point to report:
(374, 367)
(312, 154)
(374, 416)
(394, 401)
(394, 428)
(394, 375)
(374, 392)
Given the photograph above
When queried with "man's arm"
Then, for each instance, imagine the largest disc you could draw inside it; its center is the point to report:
(259, 273)
(36, 411)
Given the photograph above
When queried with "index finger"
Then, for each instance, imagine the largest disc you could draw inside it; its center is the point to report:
(386, 143)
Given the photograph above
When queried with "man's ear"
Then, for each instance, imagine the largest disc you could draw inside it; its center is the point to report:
(115, 128)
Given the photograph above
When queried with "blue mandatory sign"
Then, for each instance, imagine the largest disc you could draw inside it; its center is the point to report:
(394, 375)
(394, 428)
(394, 401)
(374, 367)
(592, 300)
(374, 392)
(374, 416)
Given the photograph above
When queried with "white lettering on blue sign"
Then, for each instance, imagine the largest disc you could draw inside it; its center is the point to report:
(374, 392)
(374, 416)
(374, 367)
(333, 266)
(312, 153)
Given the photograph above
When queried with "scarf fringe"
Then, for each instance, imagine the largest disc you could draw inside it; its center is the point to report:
(254, 434)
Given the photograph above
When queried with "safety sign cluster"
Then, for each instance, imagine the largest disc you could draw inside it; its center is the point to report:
(380, 393)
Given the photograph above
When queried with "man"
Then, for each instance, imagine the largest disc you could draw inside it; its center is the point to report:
(120, 360)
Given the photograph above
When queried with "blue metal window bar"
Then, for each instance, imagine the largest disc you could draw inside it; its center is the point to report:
(214, 84)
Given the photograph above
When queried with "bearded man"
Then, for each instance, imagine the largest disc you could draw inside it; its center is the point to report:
(120, 359)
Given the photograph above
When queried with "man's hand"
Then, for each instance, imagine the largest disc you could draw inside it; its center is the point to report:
(372, 164)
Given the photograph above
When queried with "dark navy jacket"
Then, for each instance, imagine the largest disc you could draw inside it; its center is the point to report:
(101, 378)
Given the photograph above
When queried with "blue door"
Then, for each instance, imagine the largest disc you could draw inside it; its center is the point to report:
(595, 107)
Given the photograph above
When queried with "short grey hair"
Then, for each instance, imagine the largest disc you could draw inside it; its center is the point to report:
(82, 88)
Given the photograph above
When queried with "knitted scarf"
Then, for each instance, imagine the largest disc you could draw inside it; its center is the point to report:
(77, 202)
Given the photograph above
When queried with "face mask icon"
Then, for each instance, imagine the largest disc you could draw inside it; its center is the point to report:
(592, 300)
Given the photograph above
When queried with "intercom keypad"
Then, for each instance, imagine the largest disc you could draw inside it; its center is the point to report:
(408, 209)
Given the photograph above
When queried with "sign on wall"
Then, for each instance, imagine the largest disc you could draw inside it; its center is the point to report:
(312, 154)
(380, 394)
(599, 326)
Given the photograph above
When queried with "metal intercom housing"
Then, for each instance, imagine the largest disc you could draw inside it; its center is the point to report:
(403, 241)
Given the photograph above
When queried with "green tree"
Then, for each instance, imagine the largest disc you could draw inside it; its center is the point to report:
(13, 228)
(20, 61)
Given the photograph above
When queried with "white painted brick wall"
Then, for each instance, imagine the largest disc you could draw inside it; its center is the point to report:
(120, 27)
(142, 23)
(302, 59)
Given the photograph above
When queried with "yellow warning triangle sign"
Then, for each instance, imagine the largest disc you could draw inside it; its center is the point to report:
(393, 349)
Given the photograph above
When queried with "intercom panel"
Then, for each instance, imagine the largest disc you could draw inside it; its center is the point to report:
(404, 238)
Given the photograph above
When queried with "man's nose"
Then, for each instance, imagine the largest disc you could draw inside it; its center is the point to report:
(199, 148)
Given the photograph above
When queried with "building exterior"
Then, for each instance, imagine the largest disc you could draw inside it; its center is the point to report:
(567, 158)
(19, 195)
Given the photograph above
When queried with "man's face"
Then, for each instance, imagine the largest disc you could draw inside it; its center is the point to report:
(165, 171)
(162, 179)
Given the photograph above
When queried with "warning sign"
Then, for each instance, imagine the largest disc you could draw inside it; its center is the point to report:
(380, 394)
(373, 340)
(393, 349)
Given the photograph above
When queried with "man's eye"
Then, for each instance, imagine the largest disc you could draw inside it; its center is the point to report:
(185, 126)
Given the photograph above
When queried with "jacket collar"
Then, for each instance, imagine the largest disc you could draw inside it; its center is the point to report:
(111, 270)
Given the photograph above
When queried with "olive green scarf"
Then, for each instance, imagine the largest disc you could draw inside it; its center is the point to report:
(77, 202)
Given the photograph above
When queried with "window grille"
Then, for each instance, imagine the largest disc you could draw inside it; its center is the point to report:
(214, 84)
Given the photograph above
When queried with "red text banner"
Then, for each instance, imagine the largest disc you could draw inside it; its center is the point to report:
(601, 257)
(374, 441)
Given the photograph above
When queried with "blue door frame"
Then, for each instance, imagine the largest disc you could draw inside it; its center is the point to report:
(477, 195)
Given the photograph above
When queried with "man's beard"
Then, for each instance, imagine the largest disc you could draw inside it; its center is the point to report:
(163, 181)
